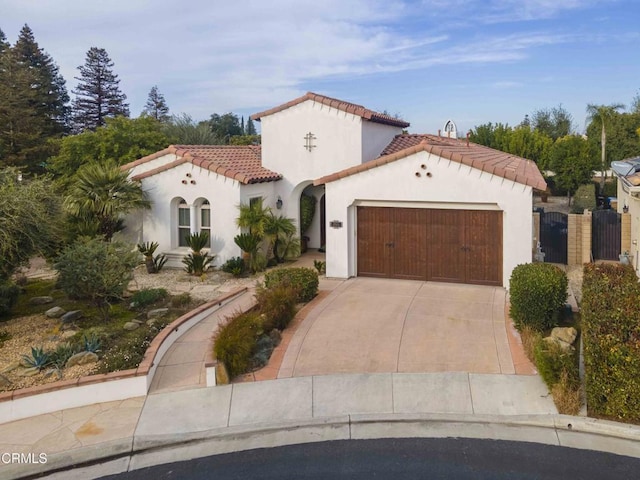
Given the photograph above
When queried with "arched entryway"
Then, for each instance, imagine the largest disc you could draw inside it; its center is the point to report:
(308, 202)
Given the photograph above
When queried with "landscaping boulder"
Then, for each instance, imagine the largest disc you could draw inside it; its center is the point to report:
(66, 335)
(566, 335)
(82, 358)
(566, 347)
(10, 367)
(131, 326)
(55, 312)
(71, 316)
(157, 313)
(40, 300)
(53, 371)
(29, 372)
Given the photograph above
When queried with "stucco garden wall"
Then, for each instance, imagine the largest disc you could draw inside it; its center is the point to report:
(451, 185)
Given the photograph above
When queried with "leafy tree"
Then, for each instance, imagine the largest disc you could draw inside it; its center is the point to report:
(97, 271)
(156, 106)
(182, 130)
(573, 160)
(278, 229)
(601, 115)
(244, 140)
(121, 140)
(225, 126)
(521, 141)
(250, 129)
(253, 217)
(555, 123)
(101, 196)
(30, 219)
(98, 94)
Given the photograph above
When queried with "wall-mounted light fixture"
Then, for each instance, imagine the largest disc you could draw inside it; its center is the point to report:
(625, 208)
(279, 203)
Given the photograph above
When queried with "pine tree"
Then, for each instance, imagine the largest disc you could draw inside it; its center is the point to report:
(51, 94)
(98, 94)
(4, 45)
(242, 126)
(250, 128)
(156, 106)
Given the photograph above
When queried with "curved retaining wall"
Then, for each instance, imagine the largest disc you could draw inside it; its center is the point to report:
(78, 392)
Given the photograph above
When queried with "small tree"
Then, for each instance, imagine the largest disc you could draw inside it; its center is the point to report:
(96, 271)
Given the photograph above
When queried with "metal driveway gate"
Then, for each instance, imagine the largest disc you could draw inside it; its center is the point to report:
(553, 236)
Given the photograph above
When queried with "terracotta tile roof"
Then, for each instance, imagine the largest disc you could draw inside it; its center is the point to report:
(477, 156)
(340, 105)
(240, 162)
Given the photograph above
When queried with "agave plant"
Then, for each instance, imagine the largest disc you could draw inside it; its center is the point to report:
(92, 343)
(38, 358)
(61, 354)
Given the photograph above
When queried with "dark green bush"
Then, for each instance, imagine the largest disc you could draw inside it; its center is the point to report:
(551, 360)
(148, 296)
(537, 292)
(236, 341)
(611, 339)
(277, 306)
(234, 266)
(8, 297)
(304, 280)
(584, 198)
(610, 188)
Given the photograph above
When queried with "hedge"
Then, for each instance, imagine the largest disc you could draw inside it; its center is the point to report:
(277, 306)
(304, 280)
(538, 291)
(611, 336)
(236, 341)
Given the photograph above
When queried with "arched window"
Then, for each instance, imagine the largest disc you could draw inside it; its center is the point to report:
(184, 223)
(205, 220)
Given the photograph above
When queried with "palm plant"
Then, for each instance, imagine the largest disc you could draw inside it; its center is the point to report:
(154, 263)
(253, 217)
(103, 194)
(249, 244)
(601, 115)
(278, 229)
(197, 262)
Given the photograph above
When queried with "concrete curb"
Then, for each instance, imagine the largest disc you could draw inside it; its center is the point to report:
(147, 450)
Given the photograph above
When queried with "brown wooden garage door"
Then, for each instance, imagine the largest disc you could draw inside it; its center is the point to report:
(463, 246)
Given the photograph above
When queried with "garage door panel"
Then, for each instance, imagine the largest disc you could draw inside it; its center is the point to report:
(409, 254)
(374, 231)
(483, 246)
(445, 236)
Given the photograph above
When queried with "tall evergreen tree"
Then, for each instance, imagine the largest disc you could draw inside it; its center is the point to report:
(242, 129)
(52, 97)
(98, 94)
(156, 106)
(250, 129)
(4, 45)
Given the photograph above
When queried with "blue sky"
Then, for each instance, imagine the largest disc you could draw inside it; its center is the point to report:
(427, 60)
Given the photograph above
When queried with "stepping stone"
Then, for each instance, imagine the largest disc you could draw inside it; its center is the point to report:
(55, 312)
(40, 300)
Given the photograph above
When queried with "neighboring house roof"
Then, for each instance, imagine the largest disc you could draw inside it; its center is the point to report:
(477, 156)
(348, 107)
(628, 170)
(239, 162)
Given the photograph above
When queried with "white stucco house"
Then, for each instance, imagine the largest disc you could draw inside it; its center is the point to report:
(628, 173)
(390, 204)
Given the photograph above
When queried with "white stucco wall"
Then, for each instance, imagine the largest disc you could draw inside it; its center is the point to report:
(224, 194)
(634, 211)
(452, 185)
(375, 137)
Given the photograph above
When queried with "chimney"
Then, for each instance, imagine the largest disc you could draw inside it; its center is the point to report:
(468, 134)
(438, 132)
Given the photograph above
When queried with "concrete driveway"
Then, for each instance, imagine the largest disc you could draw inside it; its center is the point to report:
(368, 325)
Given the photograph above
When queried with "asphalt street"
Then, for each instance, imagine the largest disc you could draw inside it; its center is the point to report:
(401, 459)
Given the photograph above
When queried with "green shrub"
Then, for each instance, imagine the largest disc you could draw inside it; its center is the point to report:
(236, 342)
(96, 271)
(611, 340)
(304, 280)
(584, 198)
(307, 211)
(320, 266)
(61, 354)
(234, 266)
(4, 336)
(8, 297)
(277, 306)
(551, 361)
(537, 293)
(610, 188)
(180, 300)
(148, 296)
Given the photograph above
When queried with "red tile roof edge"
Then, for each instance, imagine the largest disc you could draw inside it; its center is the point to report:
(347, 107)
(184, 155)
(537, 183)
